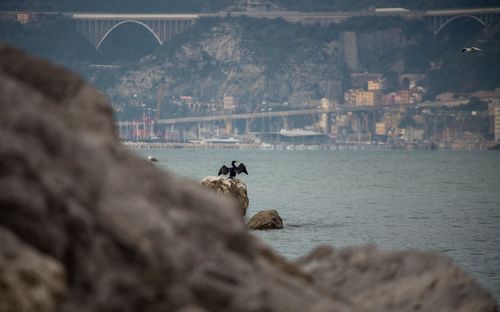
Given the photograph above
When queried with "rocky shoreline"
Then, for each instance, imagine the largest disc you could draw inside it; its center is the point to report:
(86, 225)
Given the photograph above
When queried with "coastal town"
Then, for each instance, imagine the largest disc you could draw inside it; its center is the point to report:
(369, 117)
(374, 111)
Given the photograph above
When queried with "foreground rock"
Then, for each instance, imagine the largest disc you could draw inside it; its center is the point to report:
(29, 280)
(127, 236)
(265, 220)
(234, 188)
(102, 230)
(382, 280)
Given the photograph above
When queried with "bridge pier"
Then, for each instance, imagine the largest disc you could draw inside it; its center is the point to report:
(325, 122)
(285, 123)
(247, 127)
(229, 127)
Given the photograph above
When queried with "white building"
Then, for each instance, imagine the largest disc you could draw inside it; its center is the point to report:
(229, 103)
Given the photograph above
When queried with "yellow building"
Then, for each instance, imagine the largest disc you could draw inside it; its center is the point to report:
(360, 97)
(380, 128)
(375, 85)
(365, 98)
(368, 98)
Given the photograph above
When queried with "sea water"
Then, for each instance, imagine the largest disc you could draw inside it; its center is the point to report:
(446, 201)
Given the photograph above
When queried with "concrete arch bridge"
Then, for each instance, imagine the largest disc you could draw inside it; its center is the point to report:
(96, 27)
(438, 19)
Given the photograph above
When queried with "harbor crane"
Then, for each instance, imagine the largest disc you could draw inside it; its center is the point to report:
(159, 97)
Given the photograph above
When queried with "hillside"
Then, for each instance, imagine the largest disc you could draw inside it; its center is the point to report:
(251, 60)
(266, 60)
(274, 61)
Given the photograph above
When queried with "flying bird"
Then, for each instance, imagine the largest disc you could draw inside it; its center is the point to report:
(151, 158)
(471, 50)
(234, 170)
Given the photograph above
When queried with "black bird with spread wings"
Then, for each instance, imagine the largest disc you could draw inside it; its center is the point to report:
(234, 170)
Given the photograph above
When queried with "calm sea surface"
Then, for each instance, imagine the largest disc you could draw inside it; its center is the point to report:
(440, 200)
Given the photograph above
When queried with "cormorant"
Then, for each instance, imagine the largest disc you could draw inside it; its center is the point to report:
(234, 170)
(471, 50)
(151, 158)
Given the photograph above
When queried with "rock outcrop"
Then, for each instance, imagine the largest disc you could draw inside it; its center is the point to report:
(127, 236)
(382, 280)
(29, 280)
(265, 220)
(233, 188)
(98, 229)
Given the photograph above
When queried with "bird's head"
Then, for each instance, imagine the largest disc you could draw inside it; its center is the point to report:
(233, 162)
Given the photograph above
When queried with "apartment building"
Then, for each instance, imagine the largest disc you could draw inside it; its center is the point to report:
(360, 97)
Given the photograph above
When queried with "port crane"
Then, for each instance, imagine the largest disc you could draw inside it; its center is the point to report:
(159, 99)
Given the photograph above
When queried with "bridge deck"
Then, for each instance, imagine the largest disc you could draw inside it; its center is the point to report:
(313, 111)
(270, 14)
(102, 16)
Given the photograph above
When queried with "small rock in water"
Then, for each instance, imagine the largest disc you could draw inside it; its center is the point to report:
(265, 220)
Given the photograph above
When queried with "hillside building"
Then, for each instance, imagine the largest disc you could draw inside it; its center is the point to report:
(25, 17)
(376, 85)
(380, 128)
(360, 97)
(229, 103)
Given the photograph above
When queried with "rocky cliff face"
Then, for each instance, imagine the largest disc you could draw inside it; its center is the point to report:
(266, 60)
(232, 56)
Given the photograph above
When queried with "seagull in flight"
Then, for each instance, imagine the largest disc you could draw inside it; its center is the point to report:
(151, 158)
(471, 50)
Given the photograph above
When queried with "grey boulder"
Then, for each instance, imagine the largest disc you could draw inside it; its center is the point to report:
(383, 280)
(265, 220)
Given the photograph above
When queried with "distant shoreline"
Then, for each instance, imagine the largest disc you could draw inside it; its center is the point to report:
(302, 147)
(165, 145)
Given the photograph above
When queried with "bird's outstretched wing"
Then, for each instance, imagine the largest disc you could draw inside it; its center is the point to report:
(241, 168)
(223, 170)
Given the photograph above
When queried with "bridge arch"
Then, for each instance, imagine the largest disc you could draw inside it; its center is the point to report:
(124, 22)
(457, 17)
